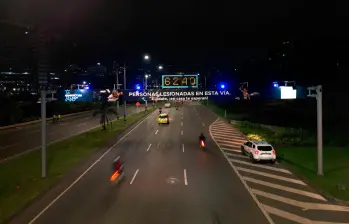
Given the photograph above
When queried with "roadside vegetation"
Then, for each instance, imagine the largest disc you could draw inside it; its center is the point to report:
(21, 180)
(296, 146)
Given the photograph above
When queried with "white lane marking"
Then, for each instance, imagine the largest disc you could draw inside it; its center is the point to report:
(224, 135)
(86, 171)
(156, 132)
(134, 176)
(58, 140)
(203, 124)
(284, 188)
(293, 217)
(82, 124)
(197, 113)
(291, 180)
(229, 146)
(237, 155)
(148, 147)
(233, 150)
(183, 147)
(182, 123)
(261, 166)
(182, 118)
(185, 177)
(230, 142)
(181, 132)
(300, 204)
(182, 114)
(242, 181)
(7, 146)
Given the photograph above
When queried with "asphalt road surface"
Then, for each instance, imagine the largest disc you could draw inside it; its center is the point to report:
(17, 141)
(168, 179)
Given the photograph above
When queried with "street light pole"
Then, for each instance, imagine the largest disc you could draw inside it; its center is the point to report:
(318, 97)
(124, 92)
(117, 88)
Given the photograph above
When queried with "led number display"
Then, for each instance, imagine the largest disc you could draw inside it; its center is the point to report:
(180, 81)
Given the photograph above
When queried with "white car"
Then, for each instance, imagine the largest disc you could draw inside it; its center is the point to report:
(259, 151)
(167, 105)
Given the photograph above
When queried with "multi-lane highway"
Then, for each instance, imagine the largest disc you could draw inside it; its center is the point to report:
(169, 179)
(17, 141)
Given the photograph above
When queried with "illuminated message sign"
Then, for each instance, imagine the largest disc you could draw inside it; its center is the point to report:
(179, 81)
(177, 95)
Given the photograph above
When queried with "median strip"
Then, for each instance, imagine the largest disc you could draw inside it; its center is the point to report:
(21, 180)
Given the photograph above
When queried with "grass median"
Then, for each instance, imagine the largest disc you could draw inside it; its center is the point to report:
(296, 149)
(20, 179)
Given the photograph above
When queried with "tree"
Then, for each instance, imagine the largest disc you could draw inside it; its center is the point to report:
(105, 110)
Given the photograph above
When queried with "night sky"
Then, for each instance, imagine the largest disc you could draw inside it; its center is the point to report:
(211, 33)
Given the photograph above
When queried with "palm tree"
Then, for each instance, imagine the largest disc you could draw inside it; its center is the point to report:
(104, 110)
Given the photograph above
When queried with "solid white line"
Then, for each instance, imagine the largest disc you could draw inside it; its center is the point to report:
(261, 166)
(185, 177)
(7, 146)
(181, 132)
(284, 188)
(86, 171)
(272, 176)
(303, 205)
(182, 123)
(242, 181)
(134, 176)
(156, 132)
(148, 147)
(58, 140)
(183, 147)
(80, 124)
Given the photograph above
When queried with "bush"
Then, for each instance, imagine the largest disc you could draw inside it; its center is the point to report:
(277, 136)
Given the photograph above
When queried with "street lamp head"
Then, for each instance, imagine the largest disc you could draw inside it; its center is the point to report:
(146, 76)
(98, 63)
(160, 67)
(146, 57)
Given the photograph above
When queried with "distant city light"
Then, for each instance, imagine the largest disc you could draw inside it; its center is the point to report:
(98, 63)
(146, 57)
(160, 67)
(275, 84)
(222, 86)
(84, 82)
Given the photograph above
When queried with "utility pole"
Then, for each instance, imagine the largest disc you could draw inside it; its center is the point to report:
(318, 96)
(43, 70)
(117, 86)
(124, 92)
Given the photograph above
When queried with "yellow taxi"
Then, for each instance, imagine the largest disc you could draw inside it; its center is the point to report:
(163, 119)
